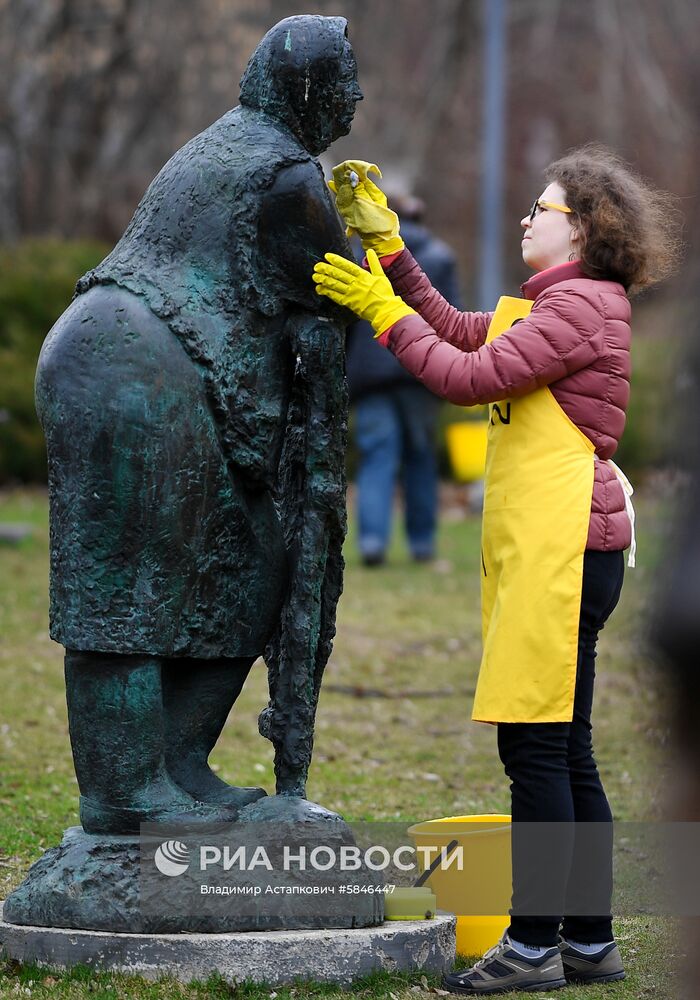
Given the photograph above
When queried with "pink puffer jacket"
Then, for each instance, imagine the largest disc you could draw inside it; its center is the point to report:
(576, 340)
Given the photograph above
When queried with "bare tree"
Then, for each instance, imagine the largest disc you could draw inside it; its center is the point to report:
(96, 94)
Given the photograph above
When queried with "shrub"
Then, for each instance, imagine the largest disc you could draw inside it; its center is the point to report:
(37, 278)
(647, 441)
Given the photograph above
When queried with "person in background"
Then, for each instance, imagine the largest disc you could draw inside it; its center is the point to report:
(395, 416)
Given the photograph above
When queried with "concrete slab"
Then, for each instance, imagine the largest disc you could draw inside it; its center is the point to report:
(274, 957)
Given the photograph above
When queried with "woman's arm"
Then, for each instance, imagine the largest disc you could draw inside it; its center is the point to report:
(464, 330)
(549, 344)
(364, 209)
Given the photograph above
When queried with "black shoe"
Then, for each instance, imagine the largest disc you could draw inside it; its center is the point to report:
(604, 966)
(503, 969)
(374, 559)
(423, 557)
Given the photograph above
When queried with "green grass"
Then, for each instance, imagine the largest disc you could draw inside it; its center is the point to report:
(405, 631)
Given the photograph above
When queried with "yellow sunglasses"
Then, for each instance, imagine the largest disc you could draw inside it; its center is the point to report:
(537, 203)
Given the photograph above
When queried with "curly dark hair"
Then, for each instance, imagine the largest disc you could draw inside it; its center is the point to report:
(628, 229)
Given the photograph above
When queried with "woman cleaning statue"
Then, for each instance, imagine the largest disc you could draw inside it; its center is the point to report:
(555, 368)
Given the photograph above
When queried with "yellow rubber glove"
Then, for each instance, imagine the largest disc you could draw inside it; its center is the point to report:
(363, 207)
(367, 293)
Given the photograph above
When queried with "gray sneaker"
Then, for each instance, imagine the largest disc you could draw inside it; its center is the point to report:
(605, 966)
(503, 969)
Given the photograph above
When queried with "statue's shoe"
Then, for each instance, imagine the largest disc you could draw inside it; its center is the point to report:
(231, 795)
(203, 785)
(99, 817)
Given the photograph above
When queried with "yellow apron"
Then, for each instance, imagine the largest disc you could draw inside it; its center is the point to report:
(537, 508)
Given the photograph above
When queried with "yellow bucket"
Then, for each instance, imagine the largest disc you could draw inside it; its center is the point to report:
(466, 446)
(485, 883)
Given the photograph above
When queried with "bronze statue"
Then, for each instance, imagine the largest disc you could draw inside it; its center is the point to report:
(193, 402)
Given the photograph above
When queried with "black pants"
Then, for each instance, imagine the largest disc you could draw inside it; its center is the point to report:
(554, 779)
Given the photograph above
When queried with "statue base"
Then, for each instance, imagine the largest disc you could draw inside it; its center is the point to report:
(337, 956)
(253, 875)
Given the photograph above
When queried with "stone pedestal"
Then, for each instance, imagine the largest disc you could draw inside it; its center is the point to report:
(274, 957)
(156, 885)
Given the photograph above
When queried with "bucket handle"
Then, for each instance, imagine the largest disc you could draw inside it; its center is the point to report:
(442, 856)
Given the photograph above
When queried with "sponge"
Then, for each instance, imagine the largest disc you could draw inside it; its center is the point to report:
(410, 903)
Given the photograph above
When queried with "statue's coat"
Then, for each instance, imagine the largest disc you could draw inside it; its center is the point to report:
(163, 390)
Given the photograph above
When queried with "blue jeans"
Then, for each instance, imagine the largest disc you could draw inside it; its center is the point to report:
(395, 433)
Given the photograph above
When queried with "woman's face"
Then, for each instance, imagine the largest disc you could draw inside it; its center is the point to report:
(550, 237)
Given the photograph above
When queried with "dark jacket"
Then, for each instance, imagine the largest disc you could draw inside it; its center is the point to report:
(369, 368)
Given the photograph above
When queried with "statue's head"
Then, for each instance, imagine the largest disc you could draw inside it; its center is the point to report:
(304, 73)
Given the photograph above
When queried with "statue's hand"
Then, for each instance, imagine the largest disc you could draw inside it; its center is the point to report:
(367, 293)
(363, 207)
